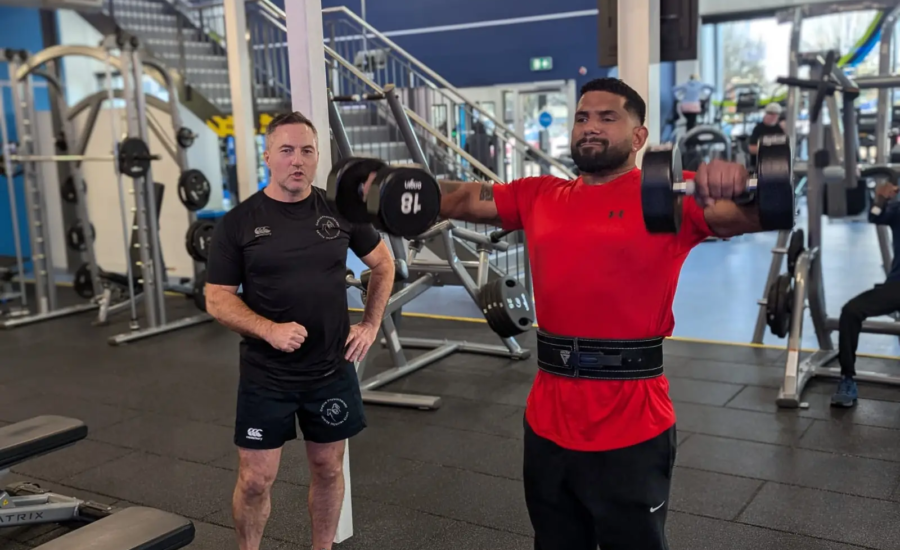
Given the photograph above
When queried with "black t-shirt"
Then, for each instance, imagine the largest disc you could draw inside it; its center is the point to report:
(291, 259)
(760, 131)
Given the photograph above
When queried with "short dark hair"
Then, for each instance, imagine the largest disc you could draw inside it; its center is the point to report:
(634, 103)
(285, 119)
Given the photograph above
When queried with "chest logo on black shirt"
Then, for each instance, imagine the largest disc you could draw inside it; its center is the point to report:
(262, 231)
(328, 228)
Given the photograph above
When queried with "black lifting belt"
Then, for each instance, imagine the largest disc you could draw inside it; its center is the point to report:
(600, 359)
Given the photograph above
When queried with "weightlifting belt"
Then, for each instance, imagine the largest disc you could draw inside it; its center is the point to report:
(600, 359)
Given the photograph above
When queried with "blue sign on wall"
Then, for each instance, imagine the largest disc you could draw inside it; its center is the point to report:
(545, 119)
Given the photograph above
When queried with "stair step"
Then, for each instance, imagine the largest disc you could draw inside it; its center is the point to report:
(385, 150)
(144, 4)
(173, 59)
(135, 18)
(194, 46)
(363, 134)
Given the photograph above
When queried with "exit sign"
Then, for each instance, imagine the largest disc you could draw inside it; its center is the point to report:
(541, 63)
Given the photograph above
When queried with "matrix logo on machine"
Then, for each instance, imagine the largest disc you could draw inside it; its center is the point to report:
(334, 411)
(328, 228)
(255, 434)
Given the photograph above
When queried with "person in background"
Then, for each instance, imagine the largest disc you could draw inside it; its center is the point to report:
(883, 299)
(771, 125)
(693, 92)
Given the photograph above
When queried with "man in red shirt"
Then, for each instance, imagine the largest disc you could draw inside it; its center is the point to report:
(600, 442)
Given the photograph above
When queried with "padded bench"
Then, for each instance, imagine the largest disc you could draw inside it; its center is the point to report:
(136, 528)
(36, 436)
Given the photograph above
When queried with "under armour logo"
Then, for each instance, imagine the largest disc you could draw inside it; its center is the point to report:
(565, 354)
(612, 213)
(254, 433)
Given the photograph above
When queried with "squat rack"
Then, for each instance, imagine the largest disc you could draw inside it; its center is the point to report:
(144, 252)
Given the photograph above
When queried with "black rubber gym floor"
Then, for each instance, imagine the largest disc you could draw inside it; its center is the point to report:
(160, 415)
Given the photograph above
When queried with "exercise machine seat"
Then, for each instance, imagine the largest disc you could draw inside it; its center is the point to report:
(136, 528)
(37, 436)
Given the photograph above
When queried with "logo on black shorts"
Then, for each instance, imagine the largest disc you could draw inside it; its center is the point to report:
(334, 411)
(254, 434)
(328, 228)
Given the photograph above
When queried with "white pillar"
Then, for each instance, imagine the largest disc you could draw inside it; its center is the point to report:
(639, 55)
(239, 80)
(309, 90)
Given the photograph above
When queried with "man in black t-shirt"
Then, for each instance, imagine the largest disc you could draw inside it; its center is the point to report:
(771, 125)
(287, 249)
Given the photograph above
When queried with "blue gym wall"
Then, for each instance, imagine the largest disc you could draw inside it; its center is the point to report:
(20, 29)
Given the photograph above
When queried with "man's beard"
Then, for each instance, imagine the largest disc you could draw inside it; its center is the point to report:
(598, 161)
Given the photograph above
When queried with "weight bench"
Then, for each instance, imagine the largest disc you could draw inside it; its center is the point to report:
(135, 528)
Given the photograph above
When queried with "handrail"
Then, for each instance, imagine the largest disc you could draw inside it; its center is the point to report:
(270, 11)
(440, 80)
(415, 117)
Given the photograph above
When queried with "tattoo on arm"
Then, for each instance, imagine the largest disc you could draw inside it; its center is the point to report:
(487, 192)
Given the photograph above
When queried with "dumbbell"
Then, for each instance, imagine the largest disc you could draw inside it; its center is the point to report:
(663, 187)
(403, 200)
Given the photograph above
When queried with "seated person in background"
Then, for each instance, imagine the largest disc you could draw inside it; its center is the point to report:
(693, 93)
(771, 125)
(881, 300)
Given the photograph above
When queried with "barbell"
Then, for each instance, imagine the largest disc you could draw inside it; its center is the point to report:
(134, 158)
(663, 187)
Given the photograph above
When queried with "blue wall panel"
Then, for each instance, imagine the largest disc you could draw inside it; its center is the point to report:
(20, 29)
(497, 55)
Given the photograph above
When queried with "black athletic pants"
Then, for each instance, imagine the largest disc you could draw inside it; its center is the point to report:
(881, 300)
(615, 499)
(691, 120)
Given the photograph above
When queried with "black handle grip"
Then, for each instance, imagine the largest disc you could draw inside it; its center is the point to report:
(497, 236)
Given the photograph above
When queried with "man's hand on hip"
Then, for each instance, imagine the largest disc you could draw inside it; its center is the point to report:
(286, 337)
(360, 340)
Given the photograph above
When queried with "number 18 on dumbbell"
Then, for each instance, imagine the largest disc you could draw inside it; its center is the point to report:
(403, 200)
(663, 187)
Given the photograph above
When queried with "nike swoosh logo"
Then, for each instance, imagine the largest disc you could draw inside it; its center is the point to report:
(657, 508)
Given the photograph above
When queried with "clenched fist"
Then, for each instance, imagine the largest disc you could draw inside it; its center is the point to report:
(719, 180)
(286, 337)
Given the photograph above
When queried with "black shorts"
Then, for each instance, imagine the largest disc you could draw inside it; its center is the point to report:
(326, 414)
(615, 499)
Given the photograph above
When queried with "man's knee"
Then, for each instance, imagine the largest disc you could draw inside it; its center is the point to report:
(852, 311)
(254, 484)
(327, 465)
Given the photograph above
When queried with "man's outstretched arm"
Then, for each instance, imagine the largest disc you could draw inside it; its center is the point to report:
(469, 201)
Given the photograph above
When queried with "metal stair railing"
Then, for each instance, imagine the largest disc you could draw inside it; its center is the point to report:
(436, 99)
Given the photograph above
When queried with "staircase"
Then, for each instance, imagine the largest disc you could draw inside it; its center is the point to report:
(189, 38)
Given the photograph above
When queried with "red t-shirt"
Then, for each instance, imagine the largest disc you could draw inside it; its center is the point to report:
(598, 273)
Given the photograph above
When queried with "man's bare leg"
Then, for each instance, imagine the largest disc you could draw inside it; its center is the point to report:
(251, 503)
(326, 490)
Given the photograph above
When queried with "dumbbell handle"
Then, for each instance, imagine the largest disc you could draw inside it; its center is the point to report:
(688, 187)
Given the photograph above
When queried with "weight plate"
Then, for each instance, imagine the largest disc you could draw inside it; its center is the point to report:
(775, 185)
(795, 248)
(660, 206)
(199, 239)
(69, 193)
(343, 189)
(199, 291)
(488, 304)
(134, 158)
(185, 137)
(779, 304)
(82, 282)
(75, 237)
(193, 189)
(516, 306)
(407, 201)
